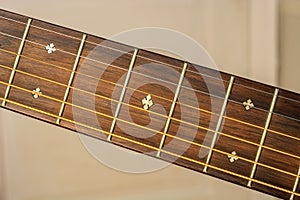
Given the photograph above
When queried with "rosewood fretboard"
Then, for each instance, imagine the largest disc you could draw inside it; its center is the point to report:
(208, 121)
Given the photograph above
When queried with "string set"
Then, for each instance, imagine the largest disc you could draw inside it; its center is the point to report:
(205, 128)
(135, 107)
(156, 131)
(202, 110)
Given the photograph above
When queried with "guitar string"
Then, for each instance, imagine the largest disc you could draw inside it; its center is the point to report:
(128, 53)
(281, 134)
(181, 139)
(175, 119)
(246, 123)
(141, 109)
(154, 148)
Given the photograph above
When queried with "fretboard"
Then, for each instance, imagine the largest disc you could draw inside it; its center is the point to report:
(212, 122)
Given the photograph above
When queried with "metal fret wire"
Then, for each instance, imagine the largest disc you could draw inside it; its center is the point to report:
(71, 77)
(172, 108)
(295, 185)
(17, 59)
(264, 135)
(220, 121)
(154, 148)
(188, 123)
(117, 111)
(149, 129)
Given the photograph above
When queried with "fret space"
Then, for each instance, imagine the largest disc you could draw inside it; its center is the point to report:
(192, 135)
(64, 39)
(94, 94)
(60, 76)
(208, 81)
(298, 191)
(57, 59)
(260, 94)
(8, 49)
(9, 43)
(135, 122)
(14, 16)
(288, 105)
(197, 112)
(275, 178)
(12, 28)
(37, 70)
(241, 166)
(236, 137)
(82, 114)
(23, 95)
(284, 164)
(281, 151)
(255, 116)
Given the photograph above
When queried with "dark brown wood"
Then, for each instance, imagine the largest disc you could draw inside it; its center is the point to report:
(96, 76)
(96, 89)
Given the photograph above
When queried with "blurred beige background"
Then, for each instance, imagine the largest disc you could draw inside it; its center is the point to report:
(252, 38)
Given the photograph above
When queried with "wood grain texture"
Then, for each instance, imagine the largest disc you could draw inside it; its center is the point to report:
(96, 89)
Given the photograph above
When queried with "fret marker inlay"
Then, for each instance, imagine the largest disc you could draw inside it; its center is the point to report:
(36, 93)
(220, 120)
(147, 102)
(50, 48)
(232, 157)
(263, 137)
(248, 104)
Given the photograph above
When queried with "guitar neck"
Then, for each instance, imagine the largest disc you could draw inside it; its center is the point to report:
(212, 122)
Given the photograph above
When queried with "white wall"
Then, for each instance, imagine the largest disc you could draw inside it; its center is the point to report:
(2, 159)
(289, 44)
